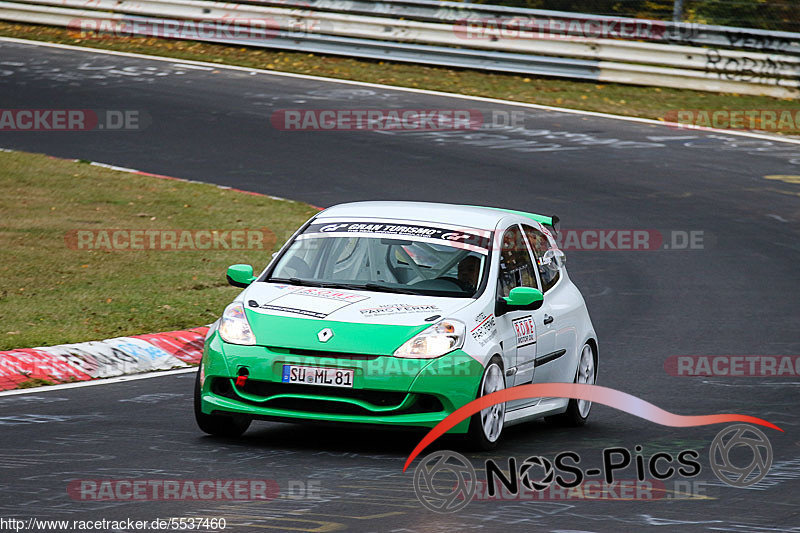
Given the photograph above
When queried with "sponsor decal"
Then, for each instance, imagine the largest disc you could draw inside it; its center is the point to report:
(330, 294)
(525, 331)
(485, 330)
(310, 301)
(282, 287)
(467, 238)
(398, 309)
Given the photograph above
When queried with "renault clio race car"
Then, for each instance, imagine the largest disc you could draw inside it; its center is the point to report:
(397, 314)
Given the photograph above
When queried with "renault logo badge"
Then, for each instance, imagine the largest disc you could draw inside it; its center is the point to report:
(325, 335)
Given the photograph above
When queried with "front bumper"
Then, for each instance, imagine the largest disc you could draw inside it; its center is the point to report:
(386, 390)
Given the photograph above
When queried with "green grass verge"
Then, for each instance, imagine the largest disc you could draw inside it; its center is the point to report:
(35, 382)
(53, 294)
(630, 100)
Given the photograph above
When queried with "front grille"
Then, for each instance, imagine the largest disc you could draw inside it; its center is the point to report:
(317, 406)
(321, 353)
(379, 398)
(420, 403)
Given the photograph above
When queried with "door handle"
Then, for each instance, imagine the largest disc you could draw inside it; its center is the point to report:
(548, 319)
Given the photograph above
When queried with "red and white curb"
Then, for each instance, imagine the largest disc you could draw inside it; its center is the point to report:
(120, 356)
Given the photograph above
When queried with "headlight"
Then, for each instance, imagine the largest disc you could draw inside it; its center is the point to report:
(234, 327)
(435, 341)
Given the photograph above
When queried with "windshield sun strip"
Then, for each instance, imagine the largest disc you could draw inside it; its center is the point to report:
(451, 244)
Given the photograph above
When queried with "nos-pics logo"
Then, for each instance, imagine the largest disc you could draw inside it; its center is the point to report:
(452, 473)
(446, 481)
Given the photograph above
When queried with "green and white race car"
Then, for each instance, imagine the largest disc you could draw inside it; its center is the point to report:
(397, 314)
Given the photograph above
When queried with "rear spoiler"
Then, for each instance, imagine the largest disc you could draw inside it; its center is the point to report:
(552, 222)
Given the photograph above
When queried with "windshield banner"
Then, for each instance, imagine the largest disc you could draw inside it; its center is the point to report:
(458, 237)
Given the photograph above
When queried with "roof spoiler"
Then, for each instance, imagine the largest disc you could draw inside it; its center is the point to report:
(553, 222)
(556, 225)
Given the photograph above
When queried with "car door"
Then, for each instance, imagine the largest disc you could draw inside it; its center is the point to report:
(517, 328)
(554, 326)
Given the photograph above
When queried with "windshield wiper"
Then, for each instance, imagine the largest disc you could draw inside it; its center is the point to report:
(387, 288)
(314, 283)
(334, 285)
(298, 281)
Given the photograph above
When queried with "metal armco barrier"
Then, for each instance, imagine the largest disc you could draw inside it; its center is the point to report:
(439, 11)
(473, 36)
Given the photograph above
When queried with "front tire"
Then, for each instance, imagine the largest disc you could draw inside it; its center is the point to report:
(486, 426)
(578, 410)
(218, 425)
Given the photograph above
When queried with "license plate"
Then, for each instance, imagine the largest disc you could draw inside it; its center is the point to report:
(314, 375)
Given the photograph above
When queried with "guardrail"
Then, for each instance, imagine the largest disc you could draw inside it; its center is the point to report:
(687, 33)
(333, 27)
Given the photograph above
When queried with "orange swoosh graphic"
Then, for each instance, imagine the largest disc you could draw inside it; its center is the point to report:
(593, 393)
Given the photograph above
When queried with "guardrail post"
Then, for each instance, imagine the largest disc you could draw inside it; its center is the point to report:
(677, 11)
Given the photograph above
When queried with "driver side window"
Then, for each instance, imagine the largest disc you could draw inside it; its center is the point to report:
(516, 268)
(548, 271)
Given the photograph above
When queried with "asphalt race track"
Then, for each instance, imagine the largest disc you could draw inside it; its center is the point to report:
(735, 295)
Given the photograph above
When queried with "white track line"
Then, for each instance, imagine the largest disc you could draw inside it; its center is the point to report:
(191, 63)
(91, 383)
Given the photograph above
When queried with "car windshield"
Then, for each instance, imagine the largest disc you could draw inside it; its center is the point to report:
(402, 257)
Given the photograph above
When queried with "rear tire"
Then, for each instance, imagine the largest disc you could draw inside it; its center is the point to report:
(218, 425)
(578, 410)
(486, 426)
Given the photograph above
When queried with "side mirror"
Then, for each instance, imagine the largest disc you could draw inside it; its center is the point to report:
(240, 275)
(519, 299)
(525, 297)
